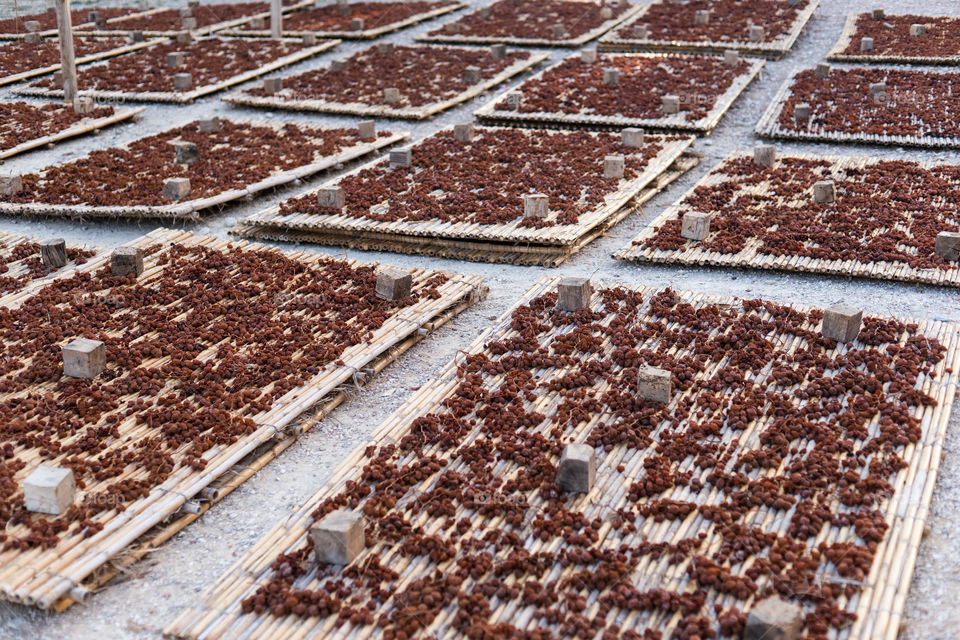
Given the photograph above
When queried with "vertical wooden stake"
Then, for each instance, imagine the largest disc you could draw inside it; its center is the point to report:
(276, 19)
(67, 58)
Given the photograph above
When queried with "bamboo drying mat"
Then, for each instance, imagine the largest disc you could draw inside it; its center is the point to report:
(191, 209)
(750, 255)
(677, 121)
(20, 268)
(365, 34)
(81, 127)
(55, 578)
(849, 33)
(83, 29)
(769, 127)
(32, 73)
(381, 110)
(199, 31)
(879, 606)
(475, 251)
(774, 50)
(531, 42)
(184, 97)
(564, 237)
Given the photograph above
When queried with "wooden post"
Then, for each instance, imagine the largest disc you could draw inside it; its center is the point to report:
(276, 19)
(67, 58)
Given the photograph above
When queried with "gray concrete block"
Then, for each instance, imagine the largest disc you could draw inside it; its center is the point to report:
(49, 490)
(186, 152)
(577, 470)
(670, 105)
(401, 157)
(10, 184)
(176, 188)
(774, 619)
(588, 56)
(948, 245)
(866, 44)
(823, 70)
(498, 50)
(632, 137)
(331, 197)
(611, 76)
(464, 132)
(757, 34)
(731, 57)
(764, 155)
(801, 112)
(182, 81)
(824, 192)
(210, 125)
(654, 384)
(536, 204)
(695, 225)
(367, 129)
(472, 75)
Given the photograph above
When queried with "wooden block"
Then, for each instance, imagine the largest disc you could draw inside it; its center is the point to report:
(184, 37)
(401, 157)
(49, 490)
(272, 85)
(917, 29)
(879, 14)
(588, 56)
(393, 284)
(32, 38)
(32, 26)
(878, 91)
(757, 34)
(515, 99)
(731, 57)
(367, 129)
(695, 225)
(574, 294)
(127, 260)
(137, 36)
(182, 81)
(10, 184)
(823, 70)
(391, 95)
(702, 16)
(485, 12)
(356, 24)
(58, 79)
(451, 28)
(331, 197)
(258, 24)
(83, 105)
(948, 245)
(189, 24)
(801, 112)
(84, 358)
(670, 105)
(774, 619)
(93, 16)
(764, 155)
(824, 192)
(654, 384)
(611, 76)
(498, 50)
(536, 204)
(558, 30)
(210, 125)
(841, 323)
(343, 6)
(385, 48)
(101, 24)
(53, 253)
(464, 132)
(641, 32)
(338, 65)
(606, 13)
(338, 538)
(187, 152)
(176, 59)
(866, 44)
(176, 188)
(613, 166)
(472, 75)
(577, 470)
(310, 39)
(632, 137)
(186, 12)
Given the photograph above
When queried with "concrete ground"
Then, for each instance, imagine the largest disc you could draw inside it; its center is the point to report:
(159, 587)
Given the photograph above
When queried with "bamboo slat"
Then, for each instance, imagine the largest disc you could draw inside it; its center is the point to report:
(217, 614)
(191, 209)
(53, 578)
(489, 112)
(774, 49)
(80, 128)
(850, 31)
(184, 97)
(750, 256)
(521, 41)
(422, 112)
(473, 250)
(365, 34)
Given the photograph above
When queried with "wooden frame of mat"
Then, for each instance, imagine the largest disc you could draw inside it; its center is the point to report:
(184, 97)
(83, 126)
(750, 257)
(54, 578)
(850, 31)
(467, 239)
(42, 71)
(532, 42)
(366, 34)
(772, 50)
(487, 113)
(768, 127)
(475, 251)
(190, 209)
(879, 606)
(381, 110)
